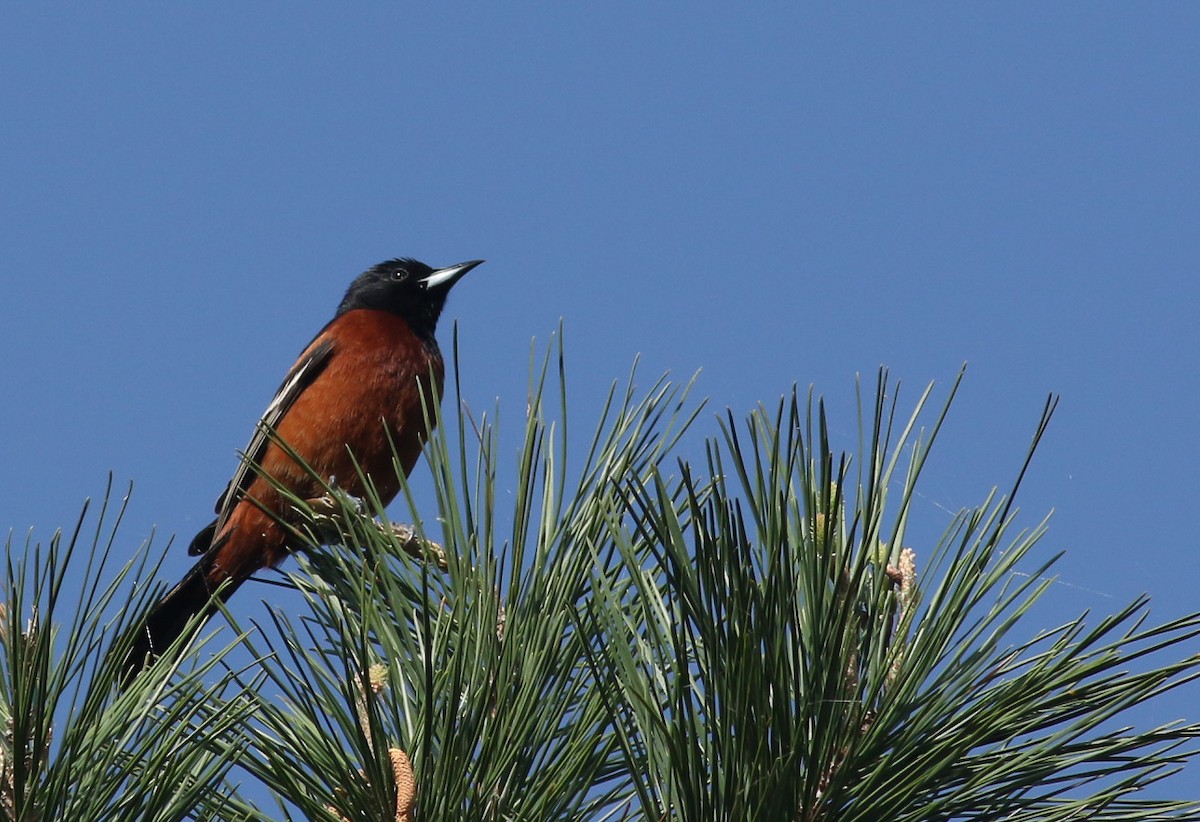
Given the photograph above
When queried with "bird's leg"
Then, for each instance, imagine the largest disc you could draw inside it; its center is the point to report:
(326, 509)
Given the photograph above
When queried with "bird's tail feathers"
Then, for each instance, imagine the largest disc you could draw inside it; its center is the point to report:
(171, 617)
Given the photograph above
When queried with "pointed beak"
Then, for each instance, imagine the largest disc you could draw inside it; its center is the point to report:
(445, 277)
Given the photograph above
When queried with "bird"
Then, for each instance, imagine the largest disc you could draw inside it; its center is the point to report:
(353, 395)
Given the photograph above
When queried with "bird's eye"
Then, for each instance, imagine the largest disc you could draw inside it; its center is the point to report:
(399, 275)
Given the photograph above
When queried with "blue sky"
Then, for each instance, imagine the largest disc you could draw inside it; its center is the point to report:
(773, 194)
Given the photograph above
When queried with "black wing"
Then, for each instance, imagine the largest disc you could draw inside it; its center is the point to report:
(300, 377)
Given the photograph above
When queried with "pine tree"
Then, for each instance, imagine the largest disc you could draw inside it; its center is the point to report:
(644, 636)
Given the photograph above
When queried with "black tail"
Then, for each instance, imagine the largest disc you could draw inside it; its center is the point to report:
(168, 620)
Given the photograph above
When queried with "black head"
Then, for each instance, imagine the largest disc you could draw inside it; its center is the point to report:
(405, 287)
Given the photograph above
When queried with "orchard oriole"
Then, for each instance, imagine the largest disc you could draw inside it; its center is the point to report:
(354, 394)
